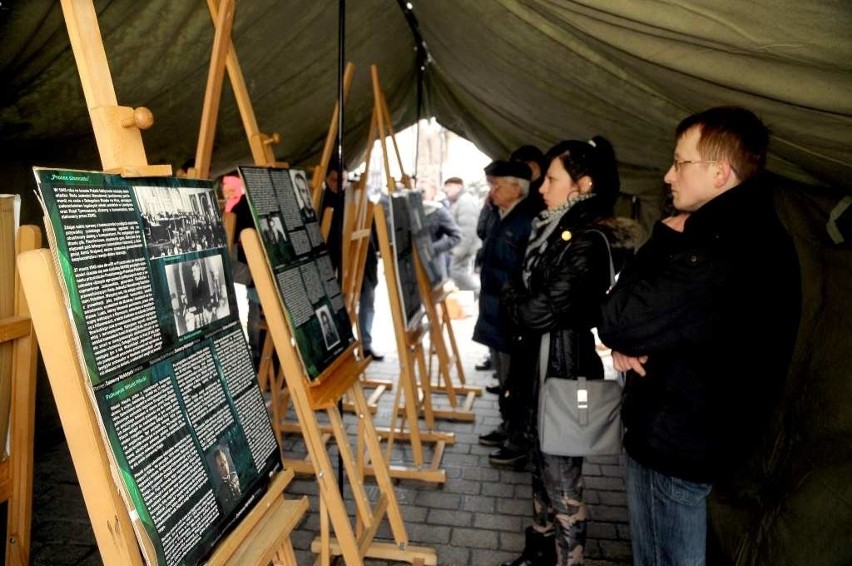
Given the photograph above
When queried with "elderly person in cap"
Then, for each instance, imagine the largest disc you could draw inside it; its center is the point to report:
(502, 262)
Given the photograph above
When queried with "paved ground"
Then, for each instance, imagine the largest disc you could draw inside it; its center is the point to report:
(477, 517)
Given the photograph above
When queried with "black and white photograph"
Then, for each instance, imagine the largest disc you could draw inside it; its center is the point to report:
(303, 194)
(329, 331)
(198, 292)
(226, 481)
(179, 220)
(265, 231)
(277, 229)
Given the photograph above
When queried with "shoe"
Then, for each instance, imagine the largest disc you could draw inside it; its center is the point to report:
(495, 389)
(484, 365)
(376, 357)
(494, 438)
(506, 457)
(539, 550)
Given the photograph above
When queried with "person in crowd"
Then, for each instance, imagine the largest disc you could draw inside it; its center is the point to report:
(502, 258)
(366, 301)
(333, 197)
(185, 168)
(232, 190)
(534, 159)
(444, 231)
(242, 276)
(566, 274)
(705, 346)
(464, 209)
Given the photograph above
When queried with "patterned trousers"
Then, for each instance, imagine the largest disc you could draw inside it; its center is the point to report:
(557, 487)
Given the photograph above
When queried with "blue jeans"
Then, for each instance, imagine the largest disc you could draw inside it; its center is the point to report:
(366, 312)
(668, 518)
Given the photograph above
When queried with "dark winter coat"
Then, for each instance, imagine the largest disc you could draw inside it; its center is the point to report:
(715, 308)
(566, 288)
(502, 258)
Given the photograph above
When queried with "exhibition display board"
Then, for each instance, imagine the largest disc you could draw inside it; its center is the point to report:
(144, 265)
(283, 212)
(434, 290)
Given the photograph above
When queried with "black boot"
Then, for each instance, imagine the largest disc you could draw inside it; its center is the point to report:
(539, 550)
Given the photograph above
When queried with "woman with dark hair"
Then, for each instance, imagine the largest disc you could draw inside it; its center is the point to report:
(566, 275)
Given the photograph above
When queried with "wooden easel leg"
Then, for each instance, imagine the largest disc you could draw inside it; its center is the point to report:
(448, 324)
(374, 449)
(426, 385)
(409, 387)
(324, 556)
(266, 370)
(440, 351)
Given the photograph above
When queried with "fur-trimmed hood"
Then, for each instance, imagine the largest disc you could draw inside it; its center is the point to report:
(625, 234)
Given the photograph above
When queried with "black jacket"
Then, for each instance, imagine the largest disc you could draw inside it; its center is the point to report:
(502, 258)
(715, 308)
(566, 289)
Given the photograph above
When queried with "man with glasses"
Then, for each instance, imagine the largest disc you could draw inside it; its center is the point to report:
(706, 345)
(502, 261)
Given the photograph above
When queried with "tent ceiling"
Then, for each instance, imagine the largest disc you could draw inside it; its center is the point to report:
(501, 73)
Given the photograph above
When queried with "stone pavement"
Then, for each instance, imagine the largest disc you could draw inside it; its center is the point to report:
(477, 517)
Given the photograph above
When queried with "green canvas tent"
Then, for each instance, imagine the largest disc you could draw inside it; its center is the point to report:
(504, 73)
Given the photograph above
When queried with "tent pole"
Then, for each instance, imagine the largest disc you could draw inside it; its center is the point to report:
(341, 57)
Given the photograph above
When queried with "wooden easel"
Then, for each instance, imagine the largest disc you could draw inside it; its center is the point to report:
(323, 394)
(321, 169)
(20, 350)
(263, 534)
(429, 296)
(440, 326)
(282, 394)
(409, 340)
(224, 57)
(357, 220)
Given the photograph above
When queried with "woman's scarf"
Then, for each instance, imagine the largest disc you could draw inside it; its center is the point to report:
(542, 227)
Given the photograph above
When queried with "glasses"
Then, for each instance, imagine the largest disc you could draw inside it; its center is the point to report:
(678, 164)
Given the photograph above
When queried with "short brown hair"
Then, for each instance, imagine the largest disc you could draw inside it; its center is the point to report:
(732, 133)
(454, 181)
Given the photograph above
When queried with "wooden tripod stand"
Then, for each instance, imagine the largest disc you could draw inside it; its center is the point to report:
(322, 394)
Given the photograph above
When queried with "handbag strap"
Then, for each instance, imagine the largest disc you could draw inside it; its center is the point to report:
(621, 376)
(609, 256)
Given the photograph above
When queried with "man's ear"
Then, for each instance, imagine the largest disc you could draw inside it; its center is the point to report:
(726, 177)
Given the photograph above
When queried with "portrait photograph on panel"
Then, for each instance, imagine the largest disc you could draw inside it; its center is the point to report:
(303, 193)
(226, 481)
(276, 226)
(329, 331)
